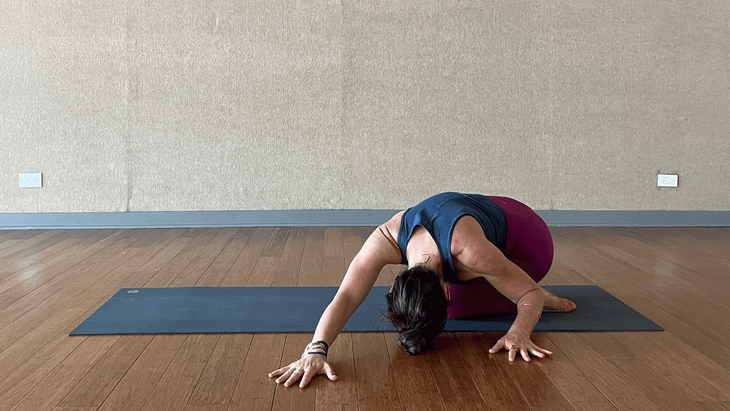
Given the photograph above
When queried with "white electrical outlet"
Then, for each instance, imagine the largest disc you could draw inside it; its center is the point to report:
(667, 180)
(30, 180)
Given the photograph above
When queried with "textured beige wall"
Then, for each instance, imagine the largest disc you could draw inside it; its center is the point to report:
(284, 104)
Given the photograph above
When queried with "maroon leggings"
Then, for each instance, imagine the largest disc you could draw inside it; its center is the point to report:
(529, 245)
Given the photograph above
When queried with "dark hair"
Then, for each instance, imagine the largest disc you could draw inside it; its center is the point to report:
(417, 308)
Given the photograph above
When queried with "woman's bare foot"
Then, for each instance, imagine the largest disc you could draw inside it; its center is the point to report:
(555, 303)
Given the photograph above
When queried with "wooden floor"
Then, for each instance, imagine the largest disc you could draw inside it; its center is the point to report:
(51, 280)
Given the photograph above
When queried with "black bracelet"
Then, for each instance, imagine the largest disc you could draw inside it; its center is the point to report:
(318, 345)
(326, 346)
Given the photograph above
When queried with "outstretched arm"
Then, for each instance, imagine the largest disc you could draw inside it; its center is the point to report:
(476, 256)
(379, 250)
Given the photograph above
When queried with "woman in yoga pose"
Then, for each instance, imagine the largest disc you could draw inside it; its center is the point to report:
(467, 255)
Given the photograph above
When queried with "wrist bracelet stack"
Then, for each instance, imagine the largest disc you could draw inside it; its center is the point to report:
(317, 347)
(520, 305)
(539, 314)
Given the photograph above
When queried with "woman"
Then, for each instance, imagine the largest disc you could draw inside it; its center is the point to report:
(467, 255)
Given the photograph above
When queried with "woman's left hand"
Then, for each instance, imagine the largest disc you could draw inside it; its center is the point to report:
(519, 342)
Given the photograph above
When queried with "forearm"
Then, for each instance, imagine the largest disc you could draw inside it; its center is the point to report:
(333, 320)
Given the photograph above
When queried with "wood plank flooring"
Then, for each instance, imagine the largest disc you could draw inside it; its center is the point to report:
(50, 280)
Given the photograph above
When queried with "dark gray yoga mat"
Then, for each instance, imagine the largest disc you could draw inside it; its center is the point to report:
(297, 309)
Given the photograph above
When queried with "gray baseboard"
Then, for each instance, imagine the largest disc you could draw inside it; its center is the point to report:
(263, 218)
(566, 218)
(186, 219)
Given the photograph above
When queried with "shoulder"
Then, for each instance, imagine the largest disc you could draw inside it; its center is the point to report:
(471, 250)
(379, 250)
(382, 245)
(392, 226)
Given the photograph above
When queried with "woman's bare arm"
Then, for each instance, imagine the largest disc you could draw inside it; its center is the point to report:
(376, 253)
(379, 250)
(475, 256)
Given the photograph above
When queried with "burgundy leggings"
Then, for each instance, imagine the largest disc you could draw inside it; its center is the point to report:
(529, 245)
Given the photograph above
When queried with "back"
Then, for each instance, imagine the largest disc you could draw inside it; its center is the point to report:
(438, 215)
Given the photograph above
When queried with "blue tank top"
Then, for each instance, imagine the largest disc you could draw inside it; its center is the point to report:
(439, 214)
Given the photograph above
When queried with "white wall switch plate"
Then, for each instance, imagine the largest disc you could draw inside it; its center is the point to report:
(667, 180)
(30, 180)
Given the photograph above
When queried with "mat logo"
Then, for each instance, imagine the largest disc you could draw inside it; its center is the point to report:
(132, 291)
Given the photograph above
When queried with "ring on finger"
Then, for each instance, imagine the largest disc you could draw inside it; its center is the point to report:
(296, 370)
(514, 347)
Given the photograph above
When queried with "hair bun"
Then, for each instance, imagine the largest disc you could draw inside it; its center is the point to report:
(417, 307)
(412, 340)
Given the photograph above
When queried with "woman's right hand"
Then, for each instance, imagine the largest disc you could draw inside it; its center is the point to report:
(305, 368)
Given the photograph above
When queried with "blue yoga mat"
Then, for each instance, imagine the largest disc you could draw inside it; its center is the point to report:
(297, 309)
